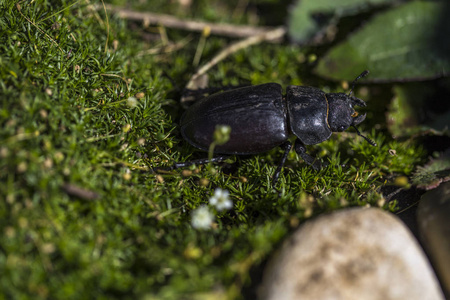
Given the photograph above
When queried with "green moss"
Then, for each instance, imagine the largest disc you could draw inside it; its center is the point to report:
(65, 120)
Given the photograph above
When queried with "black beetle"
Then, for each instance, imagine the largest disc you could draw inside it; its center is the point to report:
(262, 119)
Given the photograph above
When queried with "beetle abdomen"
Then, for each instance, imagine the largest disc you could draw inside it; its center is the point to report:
(308, 113)
(256, 115)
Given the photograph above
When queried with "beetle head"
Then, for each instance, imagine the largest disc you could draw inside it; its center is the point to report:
(341, 114)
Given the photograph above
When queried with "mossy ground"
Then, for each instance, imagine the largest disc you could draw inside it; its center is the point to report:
(66, 73)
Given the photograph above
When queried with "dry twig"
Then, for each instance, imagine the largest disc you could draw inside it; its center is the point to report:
(239, 31)
(252, 35)
(274, 34)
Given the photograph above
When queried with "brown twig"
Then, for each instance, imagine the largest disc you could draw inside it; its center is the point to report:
(238, 31)
(252, 35)
(79, 192)
(274, 34)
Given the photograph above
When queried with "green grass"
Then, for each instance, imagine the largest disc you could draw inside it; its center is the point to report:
(65, 120)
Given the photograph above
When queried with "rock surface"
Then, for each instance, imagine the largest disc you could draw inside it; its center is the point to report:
(433, 216)
(358, 253)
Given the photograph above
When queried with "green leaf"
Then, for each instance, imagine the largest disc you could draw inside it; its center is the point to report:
(303, 26)
(435, 172)
(407, 43)
(411, 103)
(403, 111)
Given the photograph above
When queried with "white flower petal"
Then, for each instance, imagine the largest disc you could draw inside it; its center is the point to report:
(221, 199)
(132, 102)
(202, 218)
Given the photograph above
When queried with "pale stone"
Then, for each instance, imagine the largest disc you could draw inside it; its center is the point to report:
(433, 217)
(358, 253)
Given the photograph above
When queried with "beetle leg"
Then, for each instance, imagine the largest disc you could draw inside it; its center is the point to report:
(287, 147)
(301, 150)
(193, 95)
(202, 161)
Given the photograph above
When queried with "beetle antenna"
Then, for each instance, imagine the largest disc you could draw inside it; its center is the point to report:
(366, 138)
(364, 73)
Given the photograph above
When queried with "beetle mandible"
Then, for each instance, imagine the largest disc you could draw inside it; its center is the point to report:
(261, 118)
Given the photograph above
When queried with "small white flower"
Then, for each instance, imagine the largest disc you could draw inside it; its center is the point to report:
(132, 102)
(202, 218)
(221, 199)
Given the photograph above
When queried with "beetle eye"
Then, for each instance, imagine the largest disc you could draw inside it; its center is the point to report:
(355, 114)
